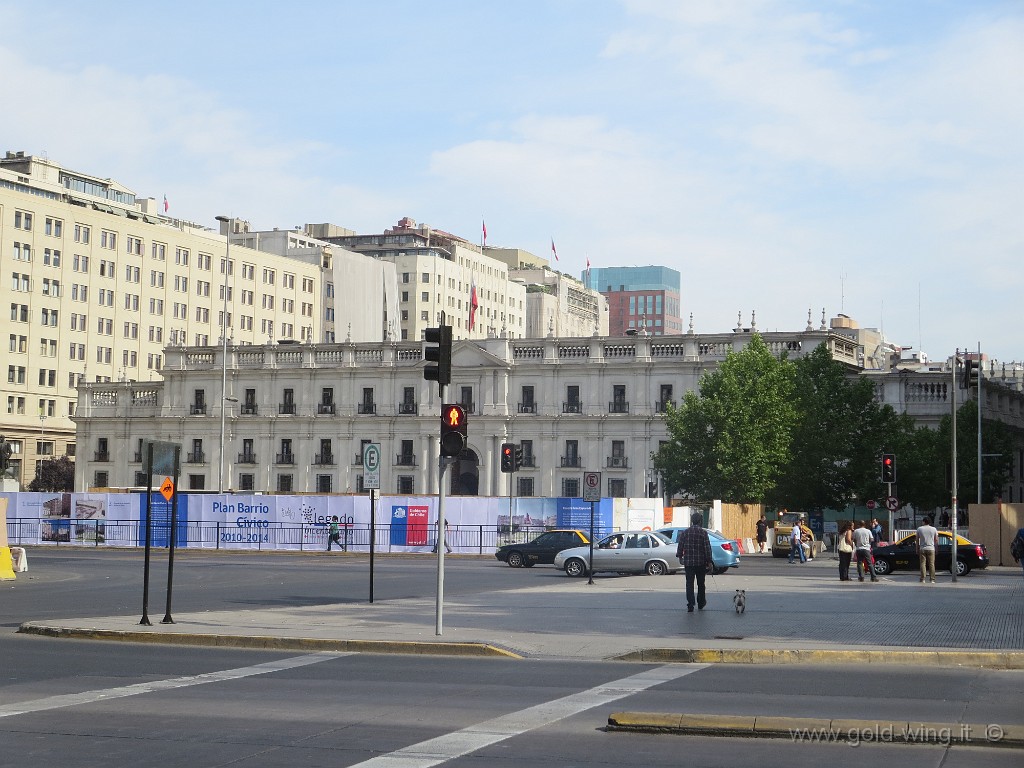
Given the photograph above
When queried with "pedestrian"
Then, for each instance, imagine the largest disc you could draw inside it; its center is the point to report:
(334, 534)
(796, 544)
(1017, 547)
(927, 537)
(862, 545)
(694, 552)
(762, 534)
(447, 548)
(845, 550)
(806, 538)
(876, 532)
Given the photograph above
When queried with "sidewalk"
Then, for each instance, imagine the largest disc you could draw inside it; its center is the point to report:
(801, 615)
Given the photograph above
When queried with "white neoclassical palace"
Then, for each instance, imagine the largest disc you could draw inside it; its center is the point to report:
(293, 418)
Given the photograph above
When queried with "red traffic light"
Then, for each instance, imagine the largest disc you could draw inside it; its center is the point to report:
(508, 457)
(454, 435)
(454, 416)
(888, 468)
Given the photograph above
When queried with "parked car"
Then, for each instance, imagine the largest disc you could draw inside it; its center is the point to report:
(623, 552)
(542, 549)
(903, 554)
(725, 553)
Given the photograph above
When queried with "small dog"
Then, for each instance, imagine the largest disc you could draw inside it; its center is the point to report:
(740, 600)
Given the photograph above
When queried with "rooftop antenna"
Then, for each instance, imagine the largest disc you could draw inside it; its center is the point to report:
(921, 341)
(842, 292)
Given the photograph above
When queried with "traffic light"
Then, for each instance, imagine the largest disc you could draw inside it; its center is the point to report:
(972, 370)
(508, 457)
(888, 468)
(519, 457)
(440, 354)
(453, 430)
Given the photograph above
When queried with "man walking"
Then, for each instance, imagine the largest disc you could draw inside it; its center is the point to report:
(862, 546)
(333, 534)
(762, 534)
(694, 552)
(796, 544)
(927, 538)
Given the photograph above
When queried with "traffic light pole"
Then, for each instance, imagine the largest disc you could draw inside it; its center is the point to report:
(442, 465)
(953, 399)
(979, 422)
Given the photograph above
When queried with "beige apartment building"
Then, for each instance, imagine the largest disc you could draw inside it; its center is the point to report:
(97, 282)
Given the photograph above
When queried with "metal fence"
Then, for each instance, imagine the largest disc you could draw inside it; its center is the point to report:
(463, 539)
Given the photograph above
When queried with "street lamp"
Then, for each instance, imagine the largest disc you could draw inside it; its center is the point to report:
(224, 345)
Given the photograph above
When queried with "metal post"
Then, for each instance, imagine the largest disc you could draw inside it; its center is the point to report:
(224, 346)
(442, 464)
(174, 535)
(979, 421)
(149, 536)
(953, 483)
(590, 567)
(373, 534)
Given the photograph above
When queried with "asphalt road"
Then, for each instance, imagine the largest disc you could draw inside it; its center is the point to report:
(78, 703)
(69, 583)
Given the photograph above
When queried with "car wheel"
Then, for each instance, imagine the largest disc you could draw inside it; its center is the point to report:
(883, 567)
(515, 559)
(656, 568)
(575, 567)
(718, 571)
(962, 567)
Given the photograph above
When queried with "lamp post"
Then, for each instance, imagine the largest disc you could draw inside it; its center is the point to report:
(224, 346)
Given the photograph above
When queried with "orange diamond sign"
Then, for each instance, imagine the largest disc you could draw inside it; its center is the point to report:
(167, 488)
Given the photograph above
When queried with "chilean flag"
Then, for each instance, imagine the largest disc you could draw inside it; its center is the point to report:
(167, 206)
(473, 304)
(553, 248)
(484, 223)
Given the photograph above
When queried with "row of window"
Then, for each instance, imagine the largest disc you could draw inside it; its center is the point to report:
(16, 406)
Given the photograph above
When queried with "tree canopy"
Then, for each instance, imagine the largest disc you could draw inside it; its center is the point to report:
(54, 475)
(730, 440)
(804, 434)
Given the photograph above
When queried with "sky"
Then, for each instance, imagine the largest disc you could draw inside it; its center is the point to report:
(863, 157)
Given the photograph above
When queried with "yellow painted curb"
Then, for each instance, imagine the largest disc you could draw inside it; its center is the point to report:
(274, 643)
(821, 730)
(986, 659)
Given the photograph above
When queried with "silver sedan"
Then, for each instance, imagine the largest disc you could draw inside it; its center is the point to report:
(623, 552)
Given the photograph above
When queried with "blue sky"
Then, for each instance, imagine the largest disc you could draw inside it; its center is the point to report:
(862, 156)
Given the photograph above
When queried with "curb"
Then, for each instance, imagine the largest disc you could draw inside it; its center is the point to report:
(411, 648)
(984, 659)
(820, 730)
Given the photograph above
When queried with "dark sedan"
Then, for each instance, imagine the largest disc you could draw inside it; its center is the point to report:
(542, 549)
(903, 554)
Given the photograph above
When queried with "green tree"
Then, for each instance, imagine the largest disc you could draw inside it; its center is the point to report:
(730, 440)
(921, 457)
(997, 438)
(55, 475)
(839, 434)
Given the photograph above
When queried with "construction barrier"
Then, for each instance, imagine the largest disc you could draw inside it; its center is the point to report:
(19, 559)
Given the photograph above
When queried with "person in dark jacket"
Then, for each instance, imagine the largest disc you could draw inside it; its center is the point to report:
(694, 553)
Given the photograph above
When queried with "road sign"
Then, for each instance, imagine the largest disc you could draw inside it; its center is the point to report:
(167, 488)
(872, 504)
(892, 503)
(591, 486)
(371, 466)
